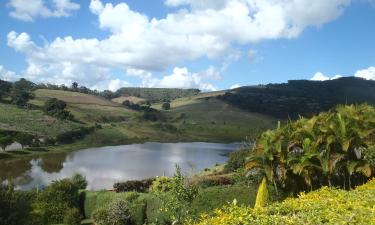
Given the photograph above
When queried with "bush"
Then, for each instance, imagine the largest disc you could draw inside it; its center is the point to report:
(56, 108)
(215, 180)
(52, 204)
(15, 206)
(80, 181)
(325, 206)
(161, 184)
(72, 217)
(166, 106)
(73, 135)
(237, 159)
(117, 213)
(134, 185)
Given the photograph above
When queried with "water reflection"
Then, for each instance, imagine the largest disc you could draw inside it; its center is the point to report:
(105, 166)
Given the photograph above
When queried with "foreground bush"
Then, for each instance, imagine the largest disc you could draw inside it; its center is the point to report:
(116, 213)
(332, 149)
(325, 206)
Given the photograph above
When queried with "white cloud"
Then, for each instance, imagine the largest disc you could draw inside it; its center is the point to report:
(7, 74)
(321, 77)
(206, 29)
(116, 84)
(31, 9)
(234, 86)
(368, 73)
(182, 78)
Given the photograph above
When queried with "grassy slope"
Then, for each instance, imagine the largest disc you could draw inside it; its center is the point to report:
(204, 119)
(205, 116)
(33, 121)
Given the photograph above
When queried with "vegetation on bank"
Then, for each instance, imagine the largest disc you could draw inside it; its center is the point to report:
(301, 97)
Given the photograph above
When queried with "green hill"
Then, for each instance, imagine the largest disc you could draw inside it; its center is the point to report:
(301, 97)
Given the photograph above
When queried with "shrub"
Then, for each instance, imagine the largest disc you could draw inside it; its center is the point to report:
(116, 213)
(134, 185)
(237, 159)
(52, 204)
(15, 206)
(161, 184)
(72, 217)
(214, 180)
(56, 108)
(80, 181)
(166, 106)
(324, 206)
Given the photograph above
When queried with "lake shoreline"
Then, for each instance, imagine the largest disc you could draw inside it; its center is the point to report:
(81, 145)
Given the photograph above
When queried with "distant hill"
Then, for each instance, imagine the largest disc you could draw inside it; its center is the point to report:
(301, 97)
(156, 94)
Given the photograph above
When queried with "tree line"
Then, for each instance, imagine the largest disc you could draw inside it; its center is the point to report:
(301, 97)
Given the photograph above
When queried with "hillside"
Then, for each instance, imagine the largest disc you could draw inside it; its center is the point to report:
(156, 94)
(301, 97)
(201, 117)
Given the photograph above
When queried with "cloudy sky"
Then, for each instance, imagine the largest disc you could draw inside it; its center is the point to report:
(206, 44)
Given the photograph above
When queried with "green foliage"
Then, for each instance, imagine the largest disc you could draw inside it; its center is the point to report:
(237, 159)
(161, 184)
(4, 88)
(20, 92)
(334, 148)
(116, 213)
(56, 108)
(212, 198)
(302, 97)
(166, 106)
(79, 181)
(5, 141)
(73, 135)
(325, 206)
(52, 204)
(178, 200)
(15, 206)
(262, 195)
(24, 139)
(134, 185)
(72, 217)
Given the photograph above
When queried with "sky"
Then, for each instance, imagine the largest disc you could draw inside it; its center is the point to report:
(205, 44)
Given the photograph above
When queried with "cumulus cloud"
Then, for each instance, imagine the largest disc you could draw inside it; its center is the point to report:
(182, 78)
(201, 29)
(368, 74)
(321, 77)
(7, 74)
(31, 9)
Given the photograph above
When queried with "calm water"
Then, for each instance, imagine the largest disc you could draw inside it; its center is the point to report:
(105, 166)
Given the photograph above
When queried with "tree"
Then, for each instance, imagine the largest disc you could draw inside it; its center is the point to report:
(5, 141)
(20, 97)
(80, 181)
(262, 195)
(24, 139)
(4, 88)
(52, 204)
(166, 106)
(56, 108)
(74, 85)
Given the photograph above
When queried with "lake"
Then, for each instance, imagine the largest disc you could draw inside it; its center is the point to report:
(104, 166)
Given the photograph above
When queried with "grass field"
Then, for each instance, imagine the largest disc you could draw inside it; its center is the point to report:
(133, 99)
(32, 121)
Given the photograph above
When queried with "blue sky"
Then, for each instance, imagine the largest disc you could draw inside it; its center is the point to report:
(211, 44)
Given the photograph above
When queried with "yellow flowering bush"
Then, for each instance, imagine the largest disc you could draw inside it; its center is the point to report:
(324, 206)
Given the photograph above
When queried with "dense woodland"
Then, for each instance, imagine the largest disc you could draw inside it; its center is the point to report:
(301, 97)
